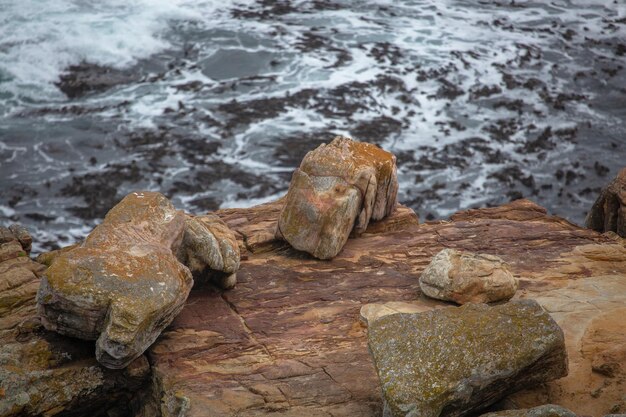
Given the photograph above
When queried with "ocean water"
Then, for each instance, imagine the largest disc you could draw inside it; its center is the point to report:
(215, 103)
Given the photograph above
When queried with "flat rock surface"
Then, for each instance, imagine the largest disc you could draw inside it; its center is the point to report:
(289, 340)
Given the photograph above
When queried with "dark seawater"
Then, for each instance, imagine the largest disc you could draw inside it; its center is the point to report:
(215, 103)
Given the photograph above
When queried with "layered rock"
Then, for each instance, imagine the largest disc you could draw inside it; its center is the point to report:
(123, 285)
(465, 277)
(337, 190)
(458, 360)
(548, 410)
(288, 340)
(43, 373)
(19, 276)
(608, 213)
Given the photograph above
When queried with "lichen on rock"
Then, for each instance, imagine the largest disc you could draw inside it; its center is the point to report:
(123, 285)
(456, 360)
(338, 189)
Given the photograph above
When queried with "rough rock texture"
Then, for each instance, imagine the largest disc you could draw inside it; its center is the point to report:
(123, 285)
(465, 277)
(288, 340)
(548, 410)
(457, 360)
(18, 276)
(43, 373)
(608, 213)
(337, 190)
(210, 250)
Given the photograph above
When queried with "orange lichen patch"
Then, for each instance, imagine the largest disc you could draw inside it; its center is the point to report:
(366, 154)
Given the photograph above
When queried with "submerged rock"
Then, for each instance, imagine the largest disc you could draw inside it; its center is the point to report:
(124, 284)
(84, 78)
(608, 213)
(337, 190)
(548, 410)
(457, 360)
(465, 277)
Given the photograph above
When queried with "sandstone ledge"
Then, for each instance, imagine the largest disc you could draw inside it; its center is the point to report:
(289, 341)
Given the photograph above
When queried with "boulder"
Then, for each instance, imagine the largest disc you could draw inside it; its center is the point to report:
(43, 373)
(123, 285)
(608, 213)
(337, 190)
(465, 277)
(548, 410)
(210, 250)
(456, 360)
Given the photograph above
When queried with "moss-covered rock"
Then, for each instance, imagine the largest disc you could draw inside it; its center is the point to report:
(456, 360)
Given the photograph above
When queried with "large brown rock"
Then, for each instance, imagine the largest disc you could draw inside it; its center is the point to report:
(608, 213)
(337, 190)
(457, 360)
(465, 277)
(126, 282)
(288, 340)
(123, 285)
(43, 373)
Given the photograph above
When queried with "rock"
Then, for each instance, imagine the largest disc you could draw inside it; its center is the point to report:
(123, 285)
(49, 375)
(22, 235)
(608, 213)
(337, 190)
(372, 312)
(79, 80)
(549, 410)
(458, 360)
(288, 340)
(43, 373)
(465, 277)
(19, 278)
(210, 249)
